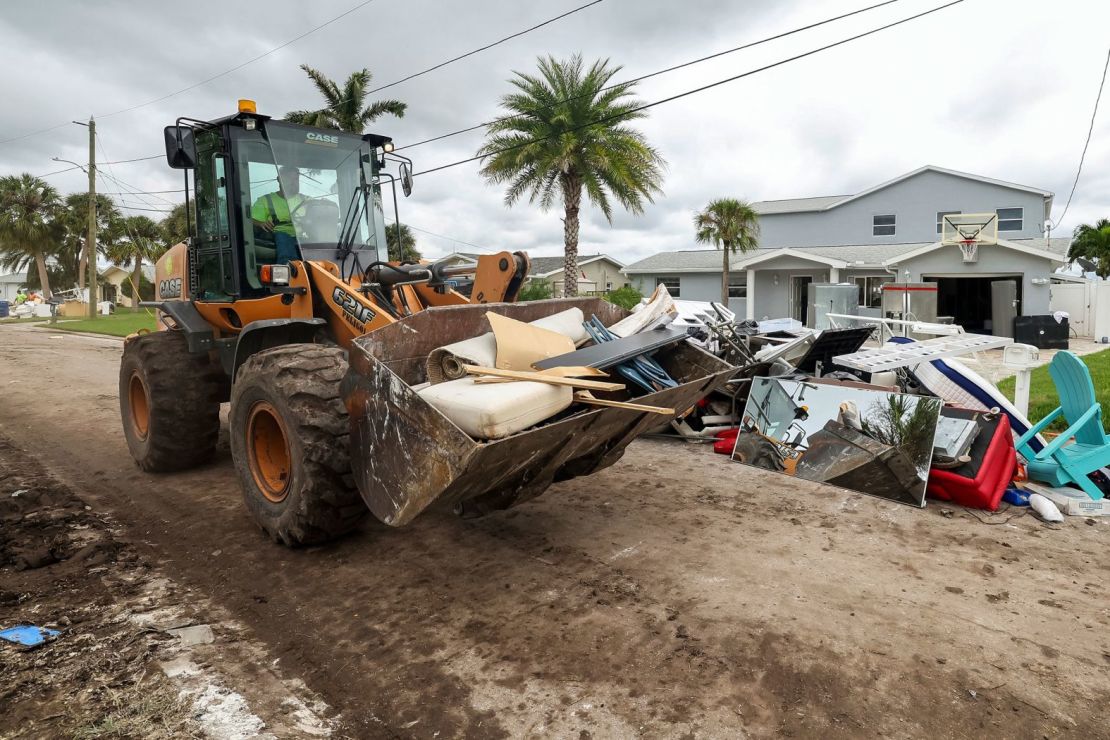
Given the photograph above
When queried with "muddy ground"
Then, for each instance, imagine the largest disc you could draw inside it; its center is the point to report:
(674, 594)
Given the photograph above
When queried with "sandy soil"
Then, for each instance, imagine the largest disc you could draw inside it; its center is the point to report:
(674, 594)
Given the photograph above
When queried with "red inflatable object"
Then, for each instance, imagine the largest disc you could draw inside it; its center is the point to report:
(724, 445)
(980, 483)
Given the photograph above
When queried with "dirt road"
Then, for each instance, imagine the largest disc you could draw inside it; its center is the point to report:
(674, 594)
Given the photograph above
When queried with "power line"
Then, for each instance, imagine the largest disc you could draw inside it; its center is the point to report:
(119, 183)
(453, 239)
(634, 80)
(687, 93)
(204, 81)
(1087, 143)
(484, 48)
(146, 192)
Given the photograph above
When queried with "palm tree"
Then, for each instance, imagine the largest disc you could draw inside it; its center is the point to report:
(344, 109)
(730, 225)
(565, 132)
(175, 226)
(73, 220)
(141, 239)
(1092, 243)
(407, 251)
(28, 223)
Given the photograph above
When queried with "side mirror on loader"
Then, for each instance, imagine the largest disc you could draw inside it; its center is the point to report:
(181, 148)
(406, 178)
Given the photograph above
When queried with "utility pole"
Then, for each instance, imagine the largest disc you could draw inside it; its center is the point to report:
(90, 241)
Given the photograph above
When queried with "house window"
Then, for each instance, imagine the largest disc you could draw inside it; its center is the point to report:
(737, 286)
(672, 284)
(871, 290)
(940, 218)
(882, 225)
(1010, 219)
(608, 286)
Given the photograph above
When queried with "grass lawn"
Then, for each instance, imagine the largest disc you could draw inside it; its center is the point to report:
(119, 324)
(1042, 393)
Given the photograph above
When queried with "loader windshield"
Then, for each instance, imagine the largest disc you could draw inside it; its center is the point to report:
(303, 188)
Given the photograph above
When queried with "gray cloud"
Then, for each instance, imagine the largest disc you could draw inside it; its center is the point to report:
(1011, 103)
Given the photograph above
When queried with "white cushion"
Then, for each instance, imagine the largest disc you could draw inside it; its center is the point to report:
(495, 410)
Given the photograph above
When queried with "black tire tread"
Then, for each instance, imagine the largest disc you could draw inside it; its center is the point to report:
(307, 377)
(184, 395)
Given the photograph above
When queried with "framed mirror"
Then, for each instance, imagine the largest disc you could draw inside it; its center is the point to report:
(867, 440)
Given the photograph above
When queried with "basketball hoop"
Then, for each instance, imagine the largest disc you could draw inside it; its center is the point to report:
(967, 231)
(970, 249)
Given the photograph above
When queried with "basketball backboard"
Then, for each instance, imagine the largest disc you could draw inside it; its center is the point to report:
(967, 231)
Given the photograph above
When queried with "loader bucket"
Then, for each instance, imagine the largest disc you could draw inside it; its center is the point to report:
(406, 455)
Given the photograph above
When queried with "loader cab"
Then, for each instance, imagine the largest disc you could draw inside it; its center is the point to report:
(270, 191)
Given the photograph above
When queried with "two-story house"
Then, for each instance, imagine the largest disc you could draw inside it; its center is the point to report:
(890, 232)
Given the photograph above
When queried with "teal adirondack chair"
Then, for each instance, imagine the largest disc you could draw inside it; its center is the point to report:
(1059, 463)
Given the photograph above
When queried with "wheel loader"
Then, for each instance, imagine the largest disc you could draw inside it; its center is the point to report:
(284, 303)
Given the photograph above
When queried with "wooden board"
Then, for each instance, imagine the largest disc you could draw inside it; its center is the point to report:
(595, 385)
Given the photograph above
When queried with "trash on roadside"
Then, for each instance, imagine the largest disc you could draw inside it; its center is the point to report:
(1045, 509)
(980, 481)
(28, 635)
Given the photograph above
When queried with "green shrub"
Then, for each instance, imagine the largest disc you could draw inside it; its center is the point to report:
(626, 297)
(534, 290)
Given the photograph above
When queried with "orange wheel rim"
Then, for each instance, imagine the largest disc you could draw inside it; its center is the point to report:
(268, 451)
(140, 408)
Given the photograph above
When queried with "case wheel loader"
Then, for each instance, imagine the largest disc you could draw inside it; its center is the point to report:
(284, 303)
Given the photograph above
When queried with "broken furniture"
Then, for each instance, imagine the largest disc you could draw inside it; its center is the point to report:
(415, 456)
(446, 363)
(1059, 463)
(982, 480)
(495, 411)
(956, 383)
(892, 356)
(610, 353)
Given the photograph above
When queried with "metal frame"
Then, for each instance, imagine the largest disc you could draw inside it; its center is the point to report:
(892, 357)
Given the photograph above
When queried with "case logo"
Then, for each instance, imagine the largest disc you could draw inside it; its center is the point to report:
(326, 139)
(170, 288)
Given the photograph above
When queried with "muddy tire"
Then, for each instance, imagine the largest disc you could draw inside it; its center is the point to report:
(290, 443)
(751, 449)
(169, 402)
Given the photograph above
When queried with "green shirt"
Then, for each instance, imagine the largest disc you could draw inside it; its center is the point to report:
(274, 207)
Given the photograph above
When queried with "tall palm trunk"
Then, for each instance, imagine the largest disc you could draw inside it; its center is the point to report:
(136, 277)
(572, 202)
(724, 273)
(44, 278)
(81, 269)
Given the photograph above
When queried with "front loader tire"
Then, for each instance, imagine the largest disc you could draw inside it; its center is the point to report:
(169, 401)
(290, 443)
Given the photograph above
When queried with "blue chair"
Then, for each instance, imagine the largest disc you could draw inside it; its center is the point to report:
(1060, 463)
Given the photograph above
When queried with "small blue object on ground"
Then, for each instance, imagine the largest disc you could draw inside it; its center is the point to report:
(29, 635)
(1015, 497)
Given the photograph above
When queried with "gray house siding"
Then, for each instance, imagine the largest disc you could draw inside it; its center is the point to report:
(914, 202)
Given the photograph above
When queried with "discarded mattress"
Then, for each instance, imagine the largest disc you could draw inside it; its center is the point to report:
(445, 363)
(956, 383)
(495, 410)
(980, 483)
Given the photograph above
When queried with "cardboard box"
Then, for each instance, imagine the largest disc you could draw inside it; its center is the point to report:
(1070, 501)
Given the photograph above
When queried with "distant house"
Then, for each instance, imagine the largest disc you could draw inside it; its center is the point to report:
(889, 232)
(118, 279)
(10, 285)
(456, 259)
(598, 273)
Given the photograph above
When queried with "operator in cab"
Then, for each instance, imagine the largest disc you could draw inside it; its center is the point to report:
(274, 213)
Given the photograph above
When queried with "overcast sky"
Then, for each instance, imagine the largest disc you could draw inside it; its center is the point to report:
(1001, 88)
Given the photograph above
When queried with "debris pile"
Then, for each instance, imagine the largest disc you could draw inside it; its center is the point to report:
(901, 418)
